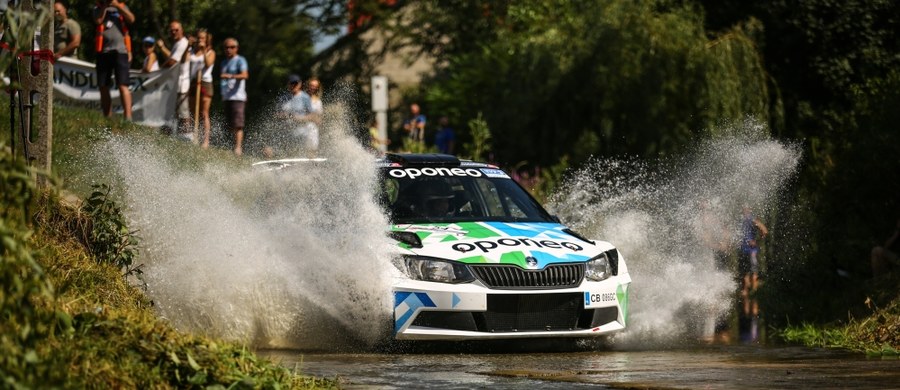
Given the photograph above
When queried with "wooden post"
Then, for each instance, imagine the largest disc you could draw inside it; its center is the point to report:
(37, 92)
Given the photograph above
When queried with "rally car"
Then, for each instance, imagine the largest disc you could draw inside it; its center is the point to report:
(479, 258)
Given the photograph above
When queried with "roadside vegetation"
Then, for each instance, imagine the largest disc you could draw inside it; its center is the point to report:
(73, 311)
(875, 335)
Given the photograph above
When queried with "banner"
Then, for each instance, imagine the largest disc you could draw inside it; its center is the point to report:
(153, 94)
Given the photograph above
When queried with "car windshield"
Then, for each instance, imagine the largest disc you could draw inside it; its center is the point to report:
(456, 195)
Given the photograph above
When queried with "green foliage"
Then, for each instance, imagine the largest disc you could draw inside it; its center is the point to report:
(23, 320)
(111, 241)
(18, 26)
(632, 78)
(481, 136)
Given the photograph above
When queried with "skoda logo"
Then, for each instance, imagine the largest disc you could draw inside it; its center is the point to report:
(531, 262)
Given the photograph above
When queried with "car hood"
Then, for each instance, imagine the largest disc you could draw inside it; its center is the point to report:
(528, 245)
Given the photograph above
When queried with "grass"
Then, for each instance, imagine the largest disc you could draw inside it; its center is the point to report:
(70, 319)
(875, 335)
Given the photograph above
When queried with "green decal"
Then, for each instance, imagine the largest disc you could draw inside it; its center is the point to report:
(622, 295)
(476, 230)
(516, 258)
(422, 235)
(473, 260)
(449, 237)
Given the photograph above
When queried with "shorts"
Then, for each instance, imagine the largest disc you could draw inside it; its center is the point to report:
(206, 89)
(109, 63)
(748, 261)
(234, 114)
(182, 107)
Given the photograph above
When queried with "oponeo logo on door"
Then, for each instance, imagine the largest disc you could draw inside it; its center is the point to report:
(413, 173)
(488, 245)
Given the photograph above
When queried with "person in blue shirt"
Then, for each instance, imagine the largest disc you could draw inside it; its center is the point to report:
(234, 75)
(415, 125)
(445, 138)
(748, 262)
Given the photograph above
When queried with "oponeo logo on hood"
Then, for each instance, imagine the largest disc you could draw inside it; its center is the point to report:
(488, 245)
(413, 173)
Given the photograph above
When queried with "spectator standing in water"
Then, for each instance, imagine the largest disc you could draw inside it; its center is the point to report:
(67, 35)
(202, 60)
(113, 45)
(150, 62)
(748, 261)
(178, 57)
(234, 74)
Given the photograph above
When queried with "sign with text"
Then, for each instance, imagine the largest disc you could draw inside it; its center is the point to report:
(153, 94)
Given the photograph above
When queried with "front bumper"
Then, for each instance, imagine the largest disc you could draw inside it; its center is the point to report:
(439, 311)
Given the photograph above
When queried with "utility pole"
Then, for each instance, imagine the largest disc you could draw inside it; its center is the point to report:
(380, 106)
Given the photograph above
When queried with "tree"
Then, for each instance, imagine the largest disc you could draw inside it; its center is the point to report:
(614, 77)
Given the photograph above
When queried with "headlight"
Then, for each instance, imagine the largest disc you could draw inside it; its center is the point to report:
(598, 268)
(435, 270)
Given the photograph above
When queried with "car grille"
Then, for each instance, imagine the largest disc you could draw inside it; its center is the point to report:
(512, 276)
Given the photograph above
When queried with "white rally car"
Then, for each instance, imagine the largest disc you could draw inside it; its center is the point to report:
(481, 259)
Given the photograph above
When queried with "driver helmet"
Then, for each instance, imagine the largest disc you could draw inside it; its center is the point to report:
(436, 196)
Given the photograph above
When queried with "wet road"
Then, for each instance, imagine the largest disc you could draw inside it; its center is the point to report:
(698, 367)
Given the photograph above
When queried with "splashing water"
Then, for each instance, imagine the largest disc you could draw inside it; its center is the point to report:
(290, 259)
(298, 258)
(662, 221)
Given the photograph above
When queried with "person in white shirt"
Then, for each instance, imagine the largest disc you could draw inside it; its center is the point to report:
(202, 59)
(178, 57)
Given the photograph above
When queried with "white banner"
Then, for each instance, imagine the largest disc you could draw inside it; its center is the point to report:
(153, 94)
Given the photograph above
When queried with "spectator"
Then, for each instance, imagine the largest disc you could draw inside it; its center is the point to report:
(748, 262)
(67, 36)
(234, 75)
(202, 60)
(150, 62)
(297, 112)
(883, 257)
(314, 88)
(445, 139)
(113, 47)
(178, 57)
(415, 125)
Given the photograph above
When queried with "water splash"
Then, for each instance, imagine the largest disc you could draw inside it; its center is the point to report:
(288, 259)
(669, 219)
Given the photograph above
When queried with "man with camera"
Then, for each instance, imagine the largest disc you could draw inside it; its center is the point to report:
(113, 46)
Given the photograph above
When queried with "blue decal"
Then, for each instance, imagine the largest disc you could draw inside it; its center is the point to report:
(587, 298)
(413, 301)
(455, 300)
(530, 230)
(545, 258)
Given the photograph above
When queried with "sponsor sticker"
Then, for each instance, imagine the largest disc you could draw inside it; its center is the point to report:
(494, 173)
(413, 173)
(486, 246)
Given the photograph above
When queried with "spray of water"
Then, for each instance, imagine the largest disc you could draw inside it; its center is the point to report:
(295, 258)
(668, 219)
